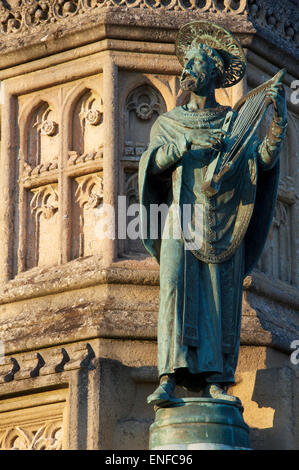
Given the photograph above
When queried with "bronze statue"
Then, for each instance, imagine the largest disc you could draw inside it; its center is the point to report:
(209, 155)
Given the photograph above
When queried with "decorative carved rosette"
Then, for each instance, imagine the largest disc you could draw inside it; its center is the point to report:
(145, 101)
(93, 117)
(48, 127)
(90, 114)
(45, 125)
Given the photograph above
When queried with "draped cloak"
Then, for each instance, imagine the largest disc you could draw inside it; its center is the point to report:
(199, 320)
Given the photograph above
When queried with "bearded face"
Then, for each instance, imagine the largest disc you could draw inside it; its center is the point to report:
(199, 71)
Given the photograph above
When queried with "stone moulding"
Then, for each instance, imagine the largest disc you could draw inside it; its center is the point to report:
(90, 272)
(55, 360)
(270, 315)
(34, 421)
(277, 19)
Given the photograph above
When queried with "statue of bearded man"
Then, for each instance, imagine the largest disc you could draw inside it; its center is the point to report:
(201, 288)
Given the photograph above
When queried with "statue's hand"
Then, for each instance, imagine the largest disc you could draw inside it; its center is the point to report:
(276, 94)
(206, 138)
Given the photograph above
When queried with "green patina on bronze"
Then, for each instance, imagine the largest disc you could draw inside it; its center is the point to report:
(199, 420)
(201, 288)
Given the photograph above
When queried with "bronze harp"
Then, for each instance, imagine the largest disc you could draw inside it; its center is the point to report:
(240, 124)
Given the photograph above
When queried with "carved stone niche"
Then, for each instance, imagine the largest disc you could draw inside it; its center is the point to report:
(87, 120)
(42, 147)
(132, 245)
(143, 106)
(42, 223)
(277, 260)
(86, 203)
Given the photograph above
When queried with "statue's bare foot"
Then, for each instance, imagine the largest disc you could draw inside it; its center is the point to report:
(216, 391)
(164, 393)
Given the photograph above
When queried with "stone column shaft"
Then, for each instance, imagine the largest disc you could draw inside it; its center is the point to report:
(7, 182)
(111, 146)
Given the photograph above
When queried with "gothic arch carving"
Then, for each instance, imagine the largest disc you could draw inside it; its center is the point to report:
(36, 116)
(83, 111)
(39, 140)
(141, 80)
(140, 105)
(140, 110)
(87, 199)
(29, 107)
(42, 222)
(279, 259)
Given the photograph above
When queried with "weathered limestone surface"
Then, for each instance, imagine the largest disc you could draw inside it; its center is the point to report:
(81, 86)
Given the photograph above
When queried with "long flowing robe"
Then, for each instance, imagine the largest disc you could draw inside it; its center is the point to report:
(201, 288)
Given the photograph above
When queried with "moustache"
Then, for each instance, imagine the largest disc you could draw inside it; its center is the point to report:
(192, 77)
(188, 75)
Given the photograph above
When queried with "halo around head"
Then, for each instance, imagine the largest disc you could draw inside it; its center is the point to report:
(219, 39)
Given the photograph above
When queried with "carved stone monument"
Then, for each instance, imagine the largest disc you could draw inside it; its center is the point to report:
(209, 158)
(82, 84)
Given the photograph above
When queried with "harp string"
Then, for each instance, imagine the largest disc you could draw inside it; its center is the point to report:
(246, 108)
(248, 122)
(242, 135)
(248, 114)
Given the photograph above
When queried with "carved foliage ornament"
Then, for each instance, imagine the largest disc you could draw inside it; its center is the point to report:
(47, 437)
(131, 187)
(89, 191)
(28, 171)
(280, 215)
(44, 201)
(18, 16)
(286, 197)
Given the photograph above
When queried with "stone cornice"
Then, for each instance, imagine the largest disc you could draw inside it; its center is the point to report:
(23, 21)
(121, 302)
(80, 274)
